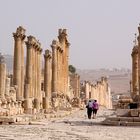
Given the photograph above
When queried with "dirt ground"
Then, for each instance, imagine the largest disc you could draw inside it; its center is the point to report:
(73, 127)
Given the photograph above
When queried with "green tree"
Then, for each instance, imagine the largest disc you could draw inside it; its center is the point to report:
(72, 69)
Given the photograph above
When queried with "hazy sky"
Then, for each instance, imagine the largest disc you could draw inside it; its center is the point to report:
(101, 32)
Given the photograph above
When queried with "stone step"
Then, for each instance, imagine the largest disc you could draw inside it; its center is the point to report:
(122, 121)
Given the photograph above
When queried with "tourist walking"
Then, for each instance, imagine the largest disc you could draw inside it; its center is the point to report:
(89, 107)
(95, 108)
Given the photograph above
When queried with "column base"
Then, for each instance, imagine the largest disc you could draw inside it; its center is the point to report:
(46, 104)
(37, 104)
(28, 106)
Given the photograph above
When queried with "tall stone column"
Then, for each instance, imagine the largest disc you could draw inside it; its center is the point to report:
(28, 80)
(67, 63)
(38, 98)
(62, 36)
(135, 84)
(47, 79)
(18, 72)
(61, 70)
(139, 58)
(2, 76)
(54, 67)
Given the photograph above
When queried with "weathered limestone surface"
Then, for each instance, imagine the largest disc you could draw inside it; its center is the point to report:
(100, 92)
(135, 84)
(2, 76)
(47, 79)
(18, 67)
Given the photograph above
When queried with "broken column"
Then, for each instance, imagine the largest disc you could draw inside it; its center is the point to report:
(18, 68)
(47, 79)
(2, 76)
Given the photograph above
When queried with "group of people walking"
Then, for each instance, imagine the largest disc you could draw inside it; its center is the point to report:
(92, 108)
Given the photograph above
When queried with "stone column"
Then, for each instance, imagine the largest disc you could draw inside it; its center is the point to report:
(62, 41)
(67, 63)
(39, 95)
(2, 76)
(28, 80)
(54, 67)
(7, 85)
(135, 87)
(19, 37)
(61, 70)
(47, 79)
(139, 58)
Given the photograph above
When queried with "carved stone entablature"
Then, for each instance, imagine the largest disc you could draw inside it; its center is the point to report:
(2, 60)
(20, 33)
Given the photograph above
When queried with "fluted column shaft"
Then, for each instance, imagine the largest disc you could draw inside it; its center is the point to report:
(18, 68)
(54, 66)
(28, 79)
(135, 87)
(47, 79)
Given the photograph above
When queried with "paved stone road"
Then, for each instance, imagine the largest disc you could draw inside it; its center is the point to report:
(73, 127)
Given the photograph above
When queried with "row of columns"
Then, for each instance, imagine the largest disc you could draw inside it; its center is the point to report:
(33, 71)
(60, 72)
(28, 79)
(100, 91)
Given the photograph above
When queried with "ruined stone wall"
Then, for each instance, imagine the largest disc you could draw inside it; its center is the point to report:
(100, 91)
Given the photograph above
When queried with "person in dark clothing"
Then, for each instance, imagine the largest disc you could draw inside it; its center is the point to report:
(89, 109)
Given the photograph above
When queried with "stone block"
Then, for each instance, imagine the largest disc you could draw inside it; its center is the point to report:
(133, 123)
(136, 119)
(113, 119)
(7, 119)
(123, 123)
(123, 112)
(111, 123)
(19, 119)
(126, 119)
(134, 112)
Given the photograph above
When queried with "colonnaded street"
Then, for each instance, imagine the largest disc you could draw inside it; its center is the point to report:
(73, 127)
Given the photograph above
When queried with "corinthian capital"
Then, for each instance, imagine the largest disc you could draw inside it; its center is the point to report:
(31, 41)
(20, 33)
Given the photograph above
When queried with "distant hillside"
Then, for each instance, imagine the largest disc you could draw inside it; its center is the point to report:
(118, 78)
